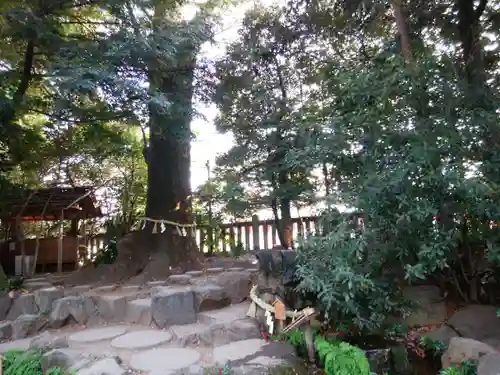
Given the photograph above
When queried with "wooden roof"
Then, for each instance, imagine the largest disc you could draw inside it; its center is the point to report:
(50, 204)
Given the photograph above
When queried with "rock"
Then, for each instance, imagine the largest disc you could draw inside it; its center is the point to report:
(44, 298)
(195, 273)
(139, 311)
(89, 336)
(46, 342)
(380, 360)
(27, 325)
(5, 331)
(111, 309)
(138, 340)
(210, 296)
(254, 352)
(462, 349)
(430, 309)
(70, 309)
(214, 270)
(35, 285)
(180, 279)
(400, 360)
(106, 366)
(489, 364)
(173, 305)
(478, 322)
(105, 289)
(442, 334)
(237, 284)
(5, 303)
(21, 305)
(164, 360)
(66, 359)
(243, 329)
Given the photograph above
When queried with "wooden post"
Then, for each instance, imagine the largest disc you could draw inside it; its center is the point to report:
(247, 238)
(266, 236)
(255, 232)
(60, 244)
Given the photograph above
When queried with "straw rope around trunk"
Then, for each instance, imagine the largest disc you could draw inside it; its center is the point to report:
(263, 305)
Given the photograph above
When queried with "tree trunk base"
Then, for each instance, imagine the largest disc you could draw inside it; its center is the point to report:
(142, 257)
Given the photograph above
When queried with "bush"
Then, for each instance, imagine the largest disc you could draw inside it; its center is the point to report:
(17, 362)
(107, 255)
(335, 357)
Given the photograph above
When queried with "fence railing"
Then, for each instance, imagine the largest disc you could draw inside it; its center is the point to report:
(250, 235)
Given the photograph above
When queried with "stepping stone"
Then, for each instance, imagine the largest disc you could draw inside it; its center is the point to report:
(270, 354)
(225, 315)
(105, 288)
(214, 270)
(180, 279)
(141, 339)
(152, 284)
(108, 366)
(130, 288)
(97, 334)
(236, 269)
(195, 273)
(163, 361)
(37, 285)
(139, 311)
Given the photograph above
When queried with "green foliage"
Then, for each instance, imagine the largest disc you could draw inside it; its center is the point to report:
(237, 250)
(466, 368)
(16, 283)
(16, 362)
(336, 357)
(436, 347)
(106, 255)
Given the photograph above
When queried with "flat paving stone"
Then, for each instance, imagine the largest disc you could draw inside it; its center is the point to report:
(214, 270)
(225, 315)
(254, 351)
(141, 339)
(97, 334)
(164, 360)
(195, 273)
(235, 269)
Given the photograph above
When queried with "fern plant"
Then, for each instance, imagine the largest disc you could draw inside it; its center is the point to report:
(466, 368)
(17, 362)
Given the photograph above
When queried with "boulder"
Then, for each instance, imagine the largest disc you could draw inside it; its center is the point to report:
(110, 308)
(71, 309)
(430, 307)
(462, 349)
(478, 322)
(172, 305)
(237, 284)
(27, 325)
(139, 311)
(22, 304)
(210, 296)
(44, 298)
(46, 342)
(5, 304)
(442, 334)
(380, 360)
(5, 331)
(489, 364)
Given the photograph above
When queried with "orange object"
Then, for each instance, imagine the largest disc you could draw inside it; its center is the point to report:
(279, 309)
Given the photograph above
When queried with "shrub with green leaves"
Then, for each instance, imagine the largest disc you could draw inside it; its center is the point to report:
(401, 141)
(17, 362)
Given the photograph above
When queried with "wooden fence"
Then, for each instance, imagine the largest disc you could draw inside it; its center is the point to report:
(251, 235)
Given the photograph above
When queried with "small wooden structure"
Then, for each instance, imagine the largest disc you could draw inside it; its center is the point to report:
(47, 204)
